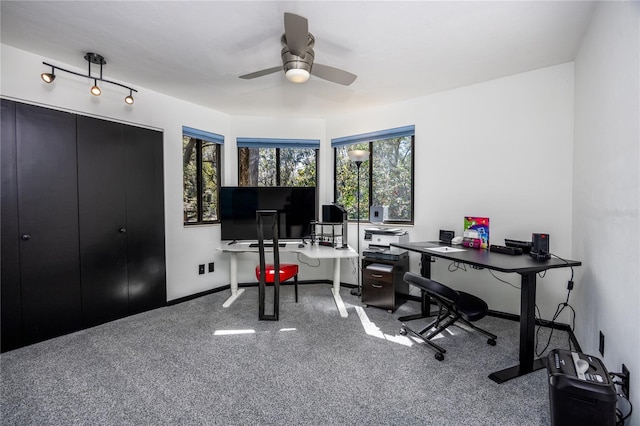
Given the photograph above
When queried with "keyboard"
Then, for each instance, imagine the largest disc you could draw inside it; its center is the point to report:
(267, 245)
(513, 251)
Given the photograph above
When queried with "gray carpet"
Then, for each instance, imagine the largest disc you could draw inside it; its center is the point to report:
(188, 364)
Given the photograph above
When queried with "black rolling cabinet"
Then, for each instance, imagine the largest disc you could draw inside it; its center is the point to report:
(382, 283)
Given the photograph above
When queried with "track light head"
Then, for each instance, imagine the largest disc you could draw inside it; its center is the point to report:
(48, 77)
(95, 90)
(129, 99)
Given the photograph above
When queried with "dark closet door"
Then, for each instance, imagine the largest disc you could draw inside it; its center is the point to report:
(11, 305)
(145, 219)
(48, 225)
(103, 226)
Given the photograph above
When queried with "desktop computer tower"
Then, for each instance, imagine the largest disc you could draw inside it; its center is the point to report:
(576, 397)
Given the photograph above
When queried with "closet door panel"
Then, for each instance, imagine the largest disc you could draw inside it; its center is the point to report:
(48, 225)
(145, 219)
(11, 304)
(103, 226)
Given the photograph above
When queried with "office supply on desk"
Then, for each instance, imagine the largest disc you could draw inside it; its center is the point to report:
(540, 247)
(267, 245)
(273, 273)
(477, 228)
(453, 306)
(524, 245)
(513, 251)
(524, 266)
(446, 236)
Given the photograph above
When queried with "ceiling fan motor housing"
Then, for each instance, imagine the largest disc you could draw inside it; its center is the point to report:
(292, 61)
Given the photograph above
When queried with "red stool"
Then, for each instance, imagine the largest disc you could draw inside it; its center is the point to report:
(287, 271)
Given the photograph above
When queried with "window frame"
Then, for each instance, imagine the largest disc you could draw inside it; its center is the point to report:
(278, 145)
(371, 139)
(201, 138)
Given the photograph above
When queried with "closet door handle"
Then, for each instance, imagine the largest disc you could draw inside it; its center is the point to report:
(25, 237)
(122, 230)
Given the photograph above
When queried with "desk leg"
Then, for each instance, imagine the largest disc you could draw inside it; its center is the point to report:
(527, 334)
(425, 305)
(233, 277)
(336, 289)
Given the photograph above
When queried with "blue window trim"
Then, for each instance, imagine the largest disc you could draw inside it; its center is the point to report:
(396, 132)
(201, 134)
(277, 143)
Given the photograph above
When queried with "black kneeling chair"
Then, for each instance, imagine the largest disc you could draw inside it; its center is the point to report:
(453, 306)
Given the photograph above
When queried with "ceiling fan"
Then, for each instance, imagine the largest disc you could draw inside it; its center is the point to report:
(297, 56)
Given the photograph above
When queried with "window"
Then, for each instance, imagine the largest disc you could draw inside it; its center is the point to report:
(277, 162)
(386, 179)
(201, 175)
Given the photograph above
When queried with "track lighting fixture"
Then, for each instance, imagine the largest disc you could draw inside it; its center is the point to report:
(95, 90)
(91, 58)
(48, 77)
(129, 99)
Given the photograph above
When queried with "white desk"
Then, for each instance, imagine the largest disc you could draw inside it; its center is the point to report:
(310, 251)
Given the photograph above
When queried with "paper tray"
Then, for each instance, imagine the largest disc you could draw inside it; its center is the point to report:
(379, 267)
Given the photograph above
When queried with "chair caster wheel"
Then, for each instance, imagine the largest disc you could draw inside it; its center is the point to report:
(439, 356)
(403, 332)
(491, 342)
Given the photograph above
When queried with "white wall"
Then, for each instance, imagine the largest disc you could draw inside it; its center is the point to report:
(501, 149)
(607, 188)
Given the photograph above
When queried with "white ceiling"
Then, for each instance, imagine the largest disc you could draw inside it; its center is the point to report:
(195, 50)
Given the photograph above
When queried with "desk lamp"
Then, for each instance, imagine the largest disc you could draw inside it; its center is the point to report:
(358, 156)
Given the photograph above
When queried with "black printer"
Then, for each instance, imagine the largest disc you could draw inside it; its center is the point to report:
(580, 390)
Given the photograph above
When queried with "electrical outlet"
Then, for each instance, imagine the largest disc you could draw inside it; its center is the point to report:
(211, 268)
(625, 381)
(601, 346)
(200, 269)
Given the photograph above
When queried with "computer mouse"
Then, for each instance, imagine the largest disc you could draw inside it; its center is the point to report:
(301, 245)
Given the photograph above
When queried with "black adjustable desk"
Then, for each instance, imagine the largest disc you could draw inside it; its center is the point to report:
(523, 265)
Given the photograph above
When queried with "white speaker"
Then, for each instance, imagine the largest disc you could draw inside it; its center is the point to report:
(378, 214)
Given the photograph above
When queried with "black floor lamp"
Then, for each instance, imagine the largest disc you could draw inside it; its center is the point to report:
(358, 156)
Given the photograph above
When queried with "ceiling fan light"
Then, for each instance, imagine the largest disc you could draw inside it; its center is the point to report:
(297, 75)
(95, 90)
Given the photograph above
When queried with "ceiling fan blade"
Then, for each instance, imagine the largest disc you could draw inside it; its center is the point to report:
(296, 29)
(332, 74)
(262, 72)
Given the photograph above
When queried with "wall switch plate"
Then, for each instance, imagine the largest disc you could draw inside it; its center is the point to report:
(211, 267)
(601, 345)
(200, 269)
(625, 381)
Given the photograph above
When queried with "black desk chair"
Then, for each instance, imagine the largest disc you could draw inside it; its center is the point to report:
(453, 306)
